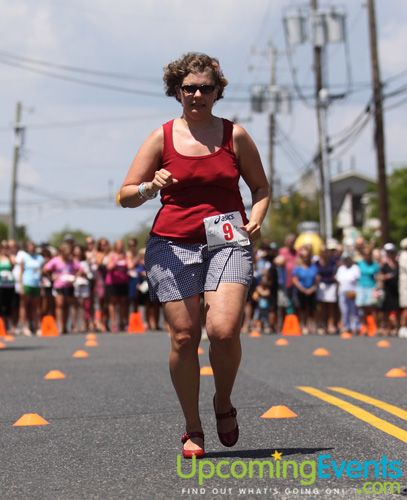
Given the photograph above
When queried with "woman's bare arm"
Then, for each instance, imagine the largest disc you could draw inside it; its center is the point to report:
(253, 174)
(146, 168)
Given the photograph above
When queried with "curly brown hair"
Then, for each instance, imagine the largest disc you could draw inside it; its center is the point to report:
(192, 62)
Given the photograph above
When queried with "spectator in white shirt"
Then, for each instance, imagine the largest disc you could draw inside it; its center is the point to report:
(347, 277)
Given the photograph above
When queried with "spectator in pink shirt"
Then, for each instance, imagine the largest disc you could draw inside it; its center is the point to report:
(290, 255)
(63, 270)
(116, 282)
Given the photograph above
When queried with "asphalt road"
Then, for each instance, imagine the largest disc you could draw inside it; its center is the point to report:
(114, 423)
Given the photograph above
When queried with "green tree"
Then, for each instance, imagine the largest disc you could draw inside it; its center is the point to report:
(3, 231)
(21, 232)
(285, 216)
(77, 234)
(397, 190)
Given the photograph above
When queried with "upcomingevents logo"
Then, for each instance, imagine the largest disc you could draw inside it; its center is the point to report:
(308, 472)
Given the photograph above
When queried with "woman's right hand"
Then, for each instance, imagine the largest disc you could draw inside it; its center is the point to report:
(162, 179)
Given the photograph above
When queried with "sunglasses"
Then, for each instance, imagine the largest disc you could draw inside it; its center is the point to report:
(203, 89)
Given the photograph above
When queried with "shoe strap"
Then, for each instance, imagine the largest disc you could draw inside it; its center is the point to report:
(189, 435)
(231, 413)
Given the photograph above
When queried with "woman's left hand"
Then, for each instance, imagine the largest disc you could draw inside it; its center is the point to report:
(253, 230)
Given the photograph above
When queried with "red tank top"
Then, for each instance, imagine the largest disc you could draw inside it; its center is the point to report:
(208, 185)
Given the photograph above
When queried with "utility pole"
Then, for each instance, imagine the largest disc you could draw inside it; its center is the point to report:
(324, 162)
(379, 126)
(277, 99)
(272, 120)
(318, 86)
(19, 139)
(327, 26)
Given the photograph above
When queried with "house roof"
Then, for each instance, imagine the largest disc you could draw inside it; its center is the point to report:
(351, 173)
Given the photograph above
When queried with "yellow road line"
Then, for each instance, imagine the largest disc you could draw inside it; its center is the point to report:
(394, 410)
(359, 413)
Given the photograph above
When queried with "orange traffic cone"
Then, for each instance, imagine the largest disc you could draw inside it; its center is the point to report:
(397, 373)
(80, 354)
(206, 370)
(255, 334)
(282, 342)
(321, 351)
(280, 411)
(384, 344)
(3, 331)
(49, 327)
(91, 343)
(291, 325)
(371, 326)
(54, 375)
(135, 323)
(30, 419)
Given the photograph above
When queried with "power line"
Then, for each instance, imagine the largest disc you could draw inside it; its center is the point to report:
(77, 69)
(80, 123)
(348, 131)
(396, 76)
(91, 83)
(83, 82)
(54, 199)
(400, 90)
(350, 140)
(304, 99)
(396, 104)
(289, 141)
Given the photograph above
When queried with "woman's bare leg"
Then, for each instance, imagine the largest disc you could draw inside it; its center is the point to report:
(59, 305)
(224, 315)
(183, 317)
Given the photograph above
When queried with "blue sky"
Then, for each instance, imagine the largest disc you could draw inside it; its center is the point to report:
(80, 139)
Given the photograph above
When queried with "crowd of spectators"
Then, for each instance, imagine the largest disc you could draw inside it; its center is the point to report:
(86, 288)
(96, 286)
(331, 292)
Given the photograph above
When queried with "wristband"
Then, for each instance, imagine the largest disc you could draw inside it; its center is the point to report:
(142, 192)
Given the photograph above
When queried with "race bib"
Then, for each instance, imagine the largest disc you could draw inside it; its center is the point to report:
(224, 230)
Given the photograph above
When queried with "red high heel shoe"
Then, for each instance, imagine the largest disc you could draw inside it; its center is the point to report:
(198, 453)
(227, 438)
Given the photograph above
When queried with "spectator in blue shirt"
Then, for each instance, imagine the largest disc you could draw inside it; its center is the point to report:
(305, 281)
(31, 263)
(367, 292)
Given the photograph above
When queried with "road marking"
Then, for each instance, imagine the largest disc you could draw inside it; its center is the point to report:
(359, 413)
(394, 410)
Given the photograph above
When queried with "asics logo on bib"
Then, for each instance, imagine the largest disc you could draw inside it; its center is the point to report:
(224, 218)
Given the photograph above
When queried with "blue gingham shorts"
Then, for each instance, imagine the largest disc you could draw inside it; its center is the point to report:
(176, 270)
